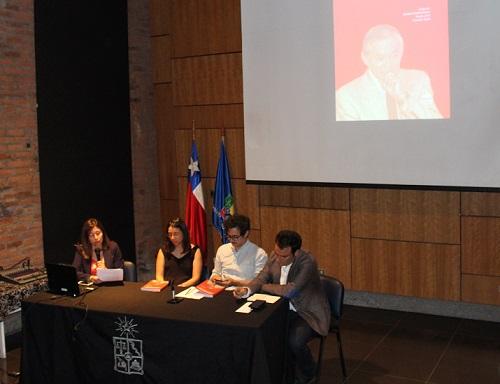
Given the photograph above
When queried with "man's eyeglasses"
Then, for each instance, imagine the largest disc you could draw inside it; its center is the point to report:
(233, 238)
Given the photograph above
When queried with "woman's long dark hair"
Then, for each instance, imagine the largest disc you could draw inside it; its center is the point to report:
(85, 248)
(186, 243)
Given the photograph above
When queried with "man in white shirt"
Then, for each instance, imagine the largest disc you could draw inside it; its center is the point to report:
(239, 261)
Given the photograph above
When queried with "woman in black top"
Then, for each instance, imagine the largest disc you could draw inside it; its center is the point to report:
(179, 261)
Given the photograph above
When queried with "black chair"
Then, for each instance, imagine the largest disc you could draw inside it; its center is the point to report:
(129, 271)
(334, 290)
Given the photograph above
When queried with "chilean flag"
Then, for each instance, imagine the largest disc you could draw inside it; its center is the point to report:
(195, 206)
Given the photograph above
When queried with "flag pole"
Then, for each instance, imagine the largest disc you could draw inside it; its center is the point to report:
(193, 131)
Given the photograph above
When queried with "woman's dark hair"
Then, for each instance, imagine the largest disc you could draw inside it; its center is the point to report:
(86, 247)
(237, 221)
(288, 238)
(181, 225)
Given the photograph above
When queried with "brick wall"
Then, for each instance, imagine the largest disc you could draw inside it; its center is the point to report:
(20, 217)
(20, 212)
(144, 152)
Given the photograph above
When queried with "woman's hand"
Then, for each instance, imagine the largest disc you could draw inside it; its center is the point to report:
(94, 279)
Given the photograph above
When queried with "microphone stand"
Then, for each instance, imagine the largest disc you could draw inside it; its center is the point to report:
(173, 300)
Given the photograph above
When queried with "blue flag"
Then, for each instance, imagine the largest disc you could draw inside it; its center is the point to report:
(223, 196)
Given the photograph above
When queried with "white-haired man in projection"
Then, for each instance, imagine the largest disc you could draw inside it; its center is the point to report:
(386, 91)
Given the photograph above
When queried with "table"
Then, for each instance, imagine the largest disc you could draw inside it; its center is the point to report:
(10, 302)
(124, 335)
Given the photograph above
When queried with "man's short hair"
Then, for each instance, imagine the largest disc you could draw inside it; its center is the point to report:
(382, 32)
(288, 238)
(237, 221)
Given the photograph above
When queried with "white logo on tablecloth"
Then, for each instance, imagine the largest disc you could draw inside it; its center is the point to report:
(128, 354)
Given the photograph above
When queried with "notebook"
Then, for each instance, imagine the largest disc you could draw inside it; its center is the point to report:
(63, 280)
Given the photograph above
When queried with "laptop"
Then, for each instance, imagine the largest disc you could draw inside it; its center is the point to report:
(63, 280)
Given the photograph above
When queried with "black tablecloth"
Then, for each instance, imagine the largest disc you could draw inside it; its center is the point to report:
(124, 335)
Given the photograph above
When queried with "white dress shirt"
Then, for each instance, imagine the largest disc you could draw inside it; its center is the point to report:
(242, 264)
(283, 279)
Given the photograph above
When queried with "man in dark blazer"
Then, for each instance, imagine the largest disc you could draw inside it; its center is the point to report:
(293, 274)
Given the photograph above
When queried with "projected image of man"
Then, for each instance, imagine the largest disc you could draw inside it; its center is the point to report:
(386, 91)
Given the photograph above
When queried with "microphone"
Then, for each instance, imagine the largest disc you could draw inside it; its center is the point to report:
(98, 253)
(172, 287)
(173, 300)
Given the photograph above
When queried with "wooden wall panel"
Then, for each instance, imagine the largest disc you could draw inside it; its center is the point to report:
(410, 269)
(426, 216)
(196, 48)
(182, 188)
(304, 197)
(209, 116)
(235, 150)
(160, 11)
(216, 79)
(480, 204)
(206, 27)
(481, 289)
(166, 141)
(324, 232)
(481, 245)
(162, 67)
(246, 201)
(169, 211)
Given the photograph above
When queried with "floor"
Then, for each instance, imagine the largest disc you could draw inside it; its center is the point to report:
(388, 347)
(10, 366)
(392, 347)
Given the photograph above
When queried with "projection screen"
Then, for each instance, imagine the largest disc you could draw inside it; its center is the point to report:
(372, 92)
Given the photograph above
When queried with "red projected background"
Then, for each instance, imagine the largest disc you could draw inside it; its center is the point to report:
(423, 25)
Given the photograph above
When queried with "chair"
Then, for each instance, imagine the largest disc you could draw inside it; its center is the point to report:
(129, 271)
(205, 273)
(334, 290)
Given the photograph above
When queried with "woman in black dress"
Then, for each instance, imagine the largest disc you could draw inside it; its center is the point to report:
(179, 261)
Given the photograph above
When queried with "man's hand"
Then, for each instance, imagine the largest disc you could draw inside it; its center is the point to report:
(216, 279)
(241, 292)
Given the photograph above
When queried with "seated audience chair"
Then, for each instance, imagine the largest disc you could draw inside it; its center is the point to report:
(129, 271)
(334, 290)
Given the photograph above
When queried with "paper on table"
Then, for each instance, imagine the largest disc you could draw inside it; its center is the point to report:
(110, 274)
(262, 296)
(245, 308)
(190, 293)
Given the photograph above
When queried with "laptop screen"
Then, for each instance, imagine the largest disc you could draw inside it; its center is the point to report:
(62, 279)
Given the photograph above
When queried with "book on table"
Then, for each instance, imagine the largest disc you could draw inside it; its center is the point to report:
(154, 286)
(209, 289)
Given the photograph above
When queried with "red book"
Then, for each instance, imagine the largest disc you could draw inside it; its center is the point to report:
(208, 289)
(154, 286)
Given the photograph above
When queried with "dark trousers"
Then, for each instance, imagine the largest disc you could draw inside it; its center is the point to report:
(300, 333)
